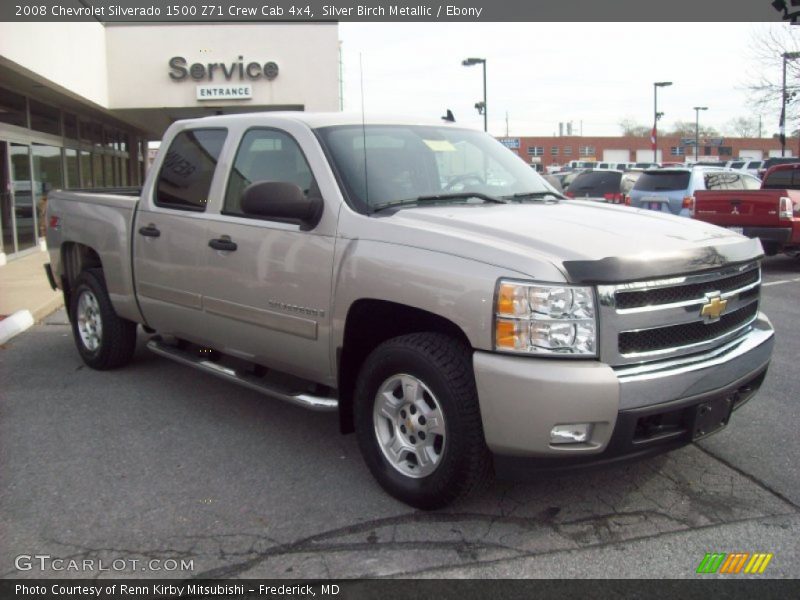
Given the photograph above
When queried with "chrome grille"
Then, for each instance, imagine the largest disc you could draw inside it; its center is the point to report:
(653, 320)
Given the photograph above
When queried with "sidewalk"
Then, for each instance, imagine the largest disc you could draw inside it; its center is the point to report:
(24, 286)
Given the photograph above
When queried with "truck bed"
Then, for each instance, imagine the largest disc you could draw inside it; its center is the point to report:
(755, 213)
(101, 219)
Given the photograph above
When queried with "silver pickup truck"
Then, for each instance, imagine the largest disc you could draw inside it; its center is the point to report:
(420, 279)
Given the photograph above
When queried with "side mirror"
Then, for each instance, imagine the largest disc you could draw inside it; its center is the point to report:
(281, 201)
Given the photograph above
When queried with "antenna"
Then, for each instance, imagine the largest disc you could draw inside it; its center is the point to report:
(363, 130)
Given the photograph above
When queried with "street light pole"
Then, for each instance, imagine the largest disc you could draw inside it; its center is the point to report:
(697, 110)
(656, 116)
(787, 56)
(468, 62)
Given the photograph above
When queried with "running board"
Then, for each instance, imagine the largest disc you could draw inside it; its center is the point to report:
(319, 403)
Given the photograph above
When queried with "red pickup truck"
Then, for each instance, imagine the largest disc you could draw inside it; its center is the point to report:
(771, 214)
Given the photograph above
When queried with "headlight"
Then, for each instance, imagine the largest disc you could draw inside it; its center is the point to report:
(545, 319)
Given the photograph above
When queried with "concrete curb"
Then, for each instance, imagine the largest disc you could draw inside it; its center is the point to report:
(45, 310)
(15, 324)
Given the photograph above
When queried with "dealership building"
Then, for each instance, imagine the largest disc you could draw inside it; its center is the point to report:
(80, 101)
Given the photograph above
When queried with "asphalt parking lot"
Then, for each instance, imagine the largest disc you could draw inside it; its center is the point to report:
(158, 461)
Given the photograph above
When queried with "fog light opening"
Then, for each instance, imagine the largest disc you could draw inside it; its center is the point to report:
(571, 433)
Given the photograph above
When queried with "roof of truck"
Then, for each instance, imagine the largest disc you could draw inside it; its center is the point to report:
(323, 119)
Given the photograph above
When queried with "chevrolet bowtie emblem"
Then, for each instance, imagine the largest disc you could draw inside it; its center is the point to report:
(713, 309)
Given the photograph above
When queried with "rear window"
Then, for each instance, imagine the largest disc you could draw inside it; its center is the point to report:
(723, 180)
(658, 181)
(782, 180)
(737, 165)
(595, 183)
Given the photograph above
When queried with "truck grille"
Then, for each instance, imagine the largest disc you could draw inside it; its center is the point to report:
(653, 320)
(674, 336)
(668, 295)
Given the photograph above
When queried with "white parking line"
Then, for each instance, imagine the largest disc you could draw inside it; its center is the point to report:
(781, 281)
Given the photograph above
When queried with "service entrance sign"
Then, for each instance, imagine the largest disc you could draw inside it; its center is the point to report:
(239, 91)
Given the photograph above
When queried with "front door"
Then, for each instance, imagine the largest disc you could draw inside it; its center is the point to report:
(267, 296)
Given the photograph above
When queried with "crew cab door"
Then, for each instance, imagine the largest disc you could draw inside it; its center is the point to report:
(267, 289)
(169, 237)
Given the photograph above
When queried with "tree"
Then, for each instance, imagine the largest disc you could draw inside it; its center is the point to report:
(630, 127)
(765, 87)
(745, 127)
(687, 129)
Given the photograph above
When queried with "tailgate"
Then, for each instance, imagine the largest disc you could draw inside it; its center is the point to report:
(738, 208)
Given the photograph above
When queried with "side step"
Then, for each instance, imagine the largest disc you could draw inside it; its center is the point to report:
(306, 400)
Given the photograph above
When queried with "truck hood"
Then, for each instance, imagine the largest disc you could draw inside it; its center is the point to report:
(585, 241)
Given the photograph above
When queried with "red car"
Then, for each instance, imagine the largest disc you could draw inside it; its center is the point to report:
(771, 214)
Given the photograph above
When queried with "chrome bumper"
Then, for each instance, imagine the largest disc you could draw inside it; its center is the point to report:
(522, 399)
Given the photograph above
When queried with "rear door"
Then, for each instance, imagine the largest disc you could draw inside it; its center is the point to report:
(169, 234)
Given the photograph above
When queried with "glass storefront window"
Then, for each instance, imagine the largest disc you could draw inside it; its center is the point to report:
(23, 193)
(86, 169)
(97, 170)
(109, 170)
(12, 109)
(48, 175)
(73, 179)
(123, 172)
(44, 118)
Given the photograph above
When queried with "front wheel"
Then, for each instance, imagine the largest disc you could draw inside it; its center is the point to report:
(418, 422)
(104, 340)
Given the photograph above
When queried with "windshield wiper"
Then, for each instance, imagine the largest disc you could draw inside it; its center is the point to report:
(543, 195)
(439, 198)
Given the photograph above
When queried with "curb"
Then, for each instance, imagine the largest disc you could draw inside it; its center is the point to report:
(45, 310)
(15, 324)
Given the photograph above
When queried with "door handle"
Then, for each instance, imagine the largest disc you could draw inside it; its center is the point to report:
(149, 231)
(223, 244)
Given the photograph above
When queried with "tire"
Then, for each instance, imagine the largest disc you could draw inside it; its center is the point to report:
(418, 422)
(104, 340)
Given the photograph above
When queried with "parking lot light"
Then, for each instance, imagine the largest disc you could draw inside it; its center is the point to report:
(697, 110)
(468, 62)
(657, 115)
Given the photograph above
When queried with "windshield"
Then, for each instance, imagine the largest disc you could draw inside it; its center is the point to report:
(405, 162)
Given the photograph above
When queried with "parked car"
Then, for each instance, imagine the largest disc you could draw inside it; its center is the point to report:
(565, 178)
(602, 185)
(672, 190)
(777, 160)
(646, 165)
(771, 214)
(747, 165)
(423, 282)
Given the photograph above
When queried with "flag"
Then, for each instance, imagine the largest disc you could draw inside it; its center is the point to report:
(782, 126)
(653, 138)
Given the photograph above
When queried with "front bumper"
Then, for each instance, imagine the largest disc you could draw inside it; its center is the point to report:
(522, 399)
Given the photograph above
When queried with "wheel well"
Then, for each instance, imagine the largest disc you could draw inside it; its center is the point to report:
(370, 323)
(75, 259)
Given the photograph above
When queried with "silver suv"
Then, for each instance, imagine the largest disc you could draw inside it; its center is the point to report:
(672, 190)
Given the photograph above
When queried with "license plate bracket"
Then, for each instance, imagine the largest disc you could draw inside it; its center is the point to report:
(711, 416)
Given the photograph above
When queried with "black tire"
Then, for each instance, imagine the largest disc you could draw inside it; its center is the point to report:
(444, 366)
(116, 340)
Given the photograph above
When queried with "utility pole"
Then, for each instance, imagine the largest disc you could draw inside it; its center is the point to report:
(506, 123)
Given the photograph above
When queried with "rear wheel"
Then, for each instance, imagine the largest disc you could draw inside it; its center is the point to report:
(417, 420)
(104, 340)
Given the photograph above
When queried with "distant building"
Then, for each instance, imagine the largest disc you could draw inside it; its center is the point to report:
(560, 150)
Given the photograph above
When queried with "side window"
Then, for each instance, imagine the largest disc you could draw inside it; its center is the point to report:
(266, 155)
(188, 168)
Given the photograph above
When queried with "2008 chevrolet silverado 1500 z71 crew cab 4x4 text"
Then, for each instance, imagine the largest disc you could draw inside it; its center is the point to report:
(426, 283)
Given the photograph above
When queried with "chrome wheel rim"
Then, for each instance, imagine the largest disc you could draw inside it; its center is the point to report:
(409, 426)
(90, 324)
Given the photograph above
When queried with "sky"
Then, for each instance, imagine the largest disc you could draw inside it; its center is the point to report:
(593, 74)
